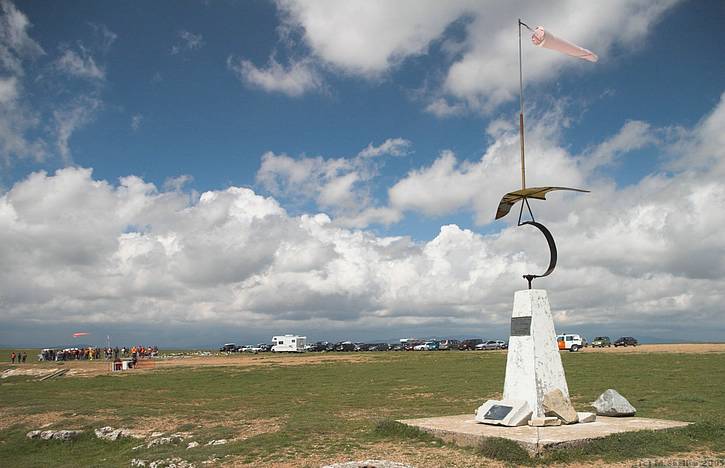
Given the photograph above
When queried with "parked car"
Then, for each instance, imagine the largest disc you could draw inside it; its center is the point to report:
(427, 346)
(625, 341)
(601, 342)
(448, 344)
(318, 347)
(362, 347)
(228, 348)
(570, 342)
(469, 344)
(491, 344)
(345, 346)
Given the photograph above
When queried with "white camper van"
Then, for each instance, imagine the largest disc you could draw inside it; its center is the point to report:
(289, 344)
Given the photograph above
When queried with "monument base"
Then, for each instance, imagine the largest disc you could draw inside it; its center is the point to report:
(463, 430)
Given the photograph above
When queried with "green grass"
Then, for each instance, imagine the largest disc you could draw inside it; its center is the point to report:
(342, 407)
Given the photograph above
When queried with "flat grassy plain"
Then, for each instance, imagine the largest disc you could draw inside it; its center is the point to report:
(308, 410)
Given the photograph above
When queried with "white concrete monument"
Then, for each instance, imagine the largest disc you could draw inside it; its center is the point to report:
(533, 365)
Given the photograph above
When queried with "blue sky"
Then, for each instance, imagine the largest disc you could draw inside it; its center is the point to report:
(191, 96)
(197, 118)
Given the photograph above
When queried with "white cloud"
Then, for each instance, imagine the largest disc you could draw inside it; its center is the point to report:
(80, 64)
(15, 43)
(27, 131)
(369, 38)
(294, 80)
(177, 183)
(8, 90)
(136, 121)
(17, 119)
(70, 119)
(336, 184)
(188, 42)
(633, 135)
(647, 258)
(104, 36)
(442, 108)
(483, 75)
(391, 146)
(449, 185)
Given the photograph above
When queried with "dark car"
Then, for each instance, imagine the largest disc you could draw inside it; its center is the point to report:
(344, 346)
(318, 347)
(625, 341)
(469, 344)
(228, 348)
(601, 342)
(362, 346)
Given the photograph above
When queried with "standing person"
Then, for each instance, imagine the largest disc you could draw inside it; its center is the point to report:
(25, 356)
(12, 357)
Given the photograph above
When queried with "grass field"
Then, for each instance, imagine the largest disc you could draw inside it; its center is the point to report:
(310, 410)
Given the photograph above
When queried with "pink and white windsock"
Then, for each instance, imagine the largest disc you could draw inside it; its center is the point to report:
(544, 38)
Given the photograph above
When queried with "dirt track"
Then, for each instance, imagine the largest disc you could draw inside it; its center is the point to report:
(265, 359)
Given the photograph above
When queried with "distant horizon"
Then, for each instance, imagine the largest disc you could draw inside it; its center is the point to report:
(212, 347)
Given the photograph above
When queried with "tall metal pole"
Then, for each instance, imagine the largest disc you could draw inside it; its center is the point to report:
(521, 114)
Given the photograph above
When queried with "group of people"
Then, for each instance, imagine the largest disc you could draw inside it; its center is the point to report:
(91, 353)
(20, 356)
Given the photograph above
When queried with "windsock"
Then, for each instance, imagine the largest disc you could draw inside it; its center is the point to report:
(544, 38)
(76, 335)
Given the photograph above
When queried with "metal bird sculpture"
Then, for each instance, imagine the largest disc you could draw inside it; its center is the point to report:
(542, 39)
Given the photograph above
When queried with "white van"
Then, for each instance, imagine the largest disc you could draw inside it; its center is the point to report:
(288, 344)
(570, 342)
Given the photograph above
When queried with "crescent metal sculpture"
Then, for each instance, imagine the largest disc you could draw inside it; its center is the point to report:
(537, 193)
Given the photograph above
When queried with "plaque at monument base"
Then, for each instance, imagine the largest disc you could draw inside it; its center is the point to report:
(533, 364)
(504, 412)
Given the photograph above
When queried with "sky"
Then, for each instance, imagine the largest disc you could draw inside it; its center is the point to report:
(198, 172)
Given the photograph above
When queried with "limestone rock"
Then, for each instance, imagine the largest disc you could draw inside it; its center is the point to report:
(54, 435)
(545, 421)
(585, 417)
(66, 435)
(163, 463)
(217, 442)
(611, 403)
(171, 439)
(109, 433)
(192, 445)
(556, 404)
